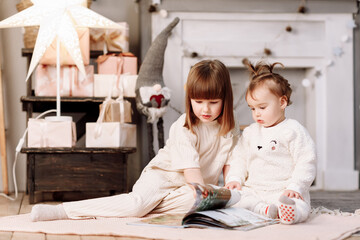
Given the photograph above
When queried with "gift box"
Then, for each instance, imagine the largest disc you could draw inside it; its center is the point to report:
(105, 84)
(111, 85)
(118, 110)
(113, 40)
(117, 64)
(128, 84)
(72, 81)
(43, 133)
(49, 56)
(110, 134)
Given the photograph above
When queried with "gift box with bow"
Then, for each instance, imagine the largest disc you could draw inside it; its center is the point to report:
(118, 110)
(105, 83)
(43, 133)
(72, 82)
(117, 64)
(110, 134)
(114, 40)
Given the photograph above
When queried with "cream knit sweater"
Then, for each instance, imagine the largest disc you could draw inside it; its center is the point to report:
(275, 159)
(184, 149)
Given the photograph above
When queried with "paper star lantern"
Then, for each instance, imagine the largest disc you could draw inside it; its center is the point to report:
(58, 18)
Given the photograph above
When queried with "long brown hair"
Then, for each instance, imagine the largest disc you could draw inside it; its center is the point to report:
(210, 79)
(262, 73)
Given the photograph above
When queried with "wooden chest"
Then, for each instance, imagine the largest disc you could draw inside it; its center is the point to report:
(67, 174)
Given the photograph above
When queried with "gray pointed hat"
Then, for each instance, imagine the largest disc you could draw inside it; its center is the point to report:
(151, 69)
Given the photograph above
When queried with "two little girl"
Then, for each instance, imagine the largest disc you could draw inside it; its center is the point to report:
(273, 163)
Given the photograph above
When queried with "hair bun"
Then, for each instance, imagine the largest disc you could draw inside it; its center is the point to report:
(260, 68)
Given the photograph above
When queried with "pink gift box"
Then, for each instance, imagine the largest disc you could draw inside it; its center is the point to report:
(72, 81)
(115, 39)
(117, 64)
(43, 133)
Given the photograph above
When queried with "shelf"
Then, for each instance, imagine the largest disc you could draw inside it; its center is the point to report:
(125, 150)
(69, 174)
(27, 52)
(68, 104)
(63, 99)
(87, 105)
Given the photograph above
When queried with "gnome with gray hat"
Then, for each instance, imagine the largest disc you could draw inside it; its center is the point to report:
(152, 97)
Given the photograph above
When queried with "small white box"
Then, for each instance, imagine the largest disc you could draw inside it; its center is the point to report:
(43, 133)
(110, 134)
(129, 84)
(104, 83)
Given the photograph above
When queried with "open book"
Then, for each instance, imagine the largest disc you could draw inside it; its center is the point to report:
(212, 209)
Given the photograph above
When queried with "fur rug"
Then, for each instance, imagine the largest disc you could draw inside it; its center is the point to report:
(323, 224)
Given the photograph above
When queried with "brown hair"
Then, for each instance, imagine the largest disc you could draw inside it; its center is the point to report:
(210, 79)
(262, 73)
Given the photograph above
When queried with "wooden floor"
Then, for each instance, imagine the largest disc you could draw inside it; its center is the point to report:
(345, 201)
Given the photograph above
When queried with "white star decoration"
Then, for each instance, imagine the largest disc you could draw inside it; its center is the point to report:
(58, 18)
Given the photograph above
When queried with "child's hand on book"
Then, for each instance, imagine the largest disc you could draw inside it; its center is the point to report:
(199, 187)
(233, 185)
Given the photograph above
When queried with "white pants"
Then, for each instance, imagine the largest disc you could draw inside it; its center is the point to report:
(250, 198)
(154, 190)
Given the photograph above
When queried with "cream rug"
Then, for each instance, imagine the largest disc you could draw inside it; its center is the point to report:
(319, 226)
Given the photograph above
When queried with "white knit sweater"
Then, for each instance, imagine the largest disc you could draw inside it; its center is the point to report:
(274, 159)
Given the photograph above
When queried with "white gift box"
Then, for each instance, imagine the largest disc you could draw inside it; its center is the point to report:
(103, 83)
(106, 83)
(110, 134)
(128, 84)
(43, 133)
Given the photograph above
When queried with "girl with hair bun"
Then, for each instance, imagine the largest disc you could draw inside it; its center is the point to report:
(274, 162)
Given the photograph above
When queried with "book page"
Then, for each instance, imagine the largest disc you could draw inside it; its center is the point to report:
(229, 218)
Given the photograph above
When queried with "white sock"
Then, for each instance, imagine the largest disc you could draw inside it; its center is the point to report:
(267, 210)
(287, 210)
(45, 212)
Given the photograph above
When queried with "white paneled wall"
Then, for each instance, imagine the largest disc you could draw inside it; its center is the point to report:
(306, 52)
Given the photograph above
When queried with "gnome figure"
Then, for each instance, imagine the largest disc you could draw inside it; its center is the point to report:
(152, 96)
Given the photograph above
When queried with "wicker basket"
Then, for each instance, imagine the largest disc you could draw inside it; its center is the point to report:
(23, 4)
(30, 36)
(30, 33)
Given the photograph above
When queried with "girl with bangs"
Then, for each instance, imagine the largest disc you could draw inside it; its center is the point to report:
(196, 151)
